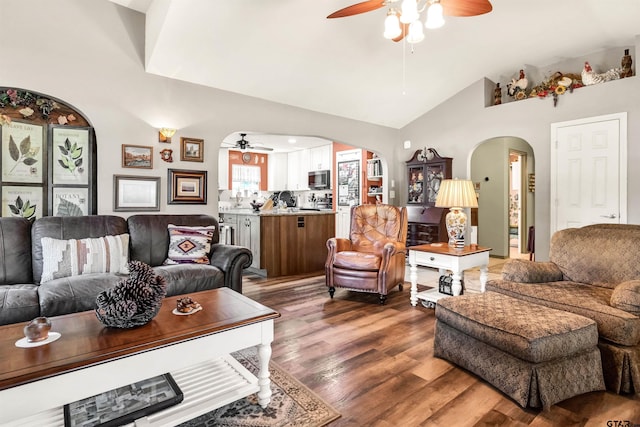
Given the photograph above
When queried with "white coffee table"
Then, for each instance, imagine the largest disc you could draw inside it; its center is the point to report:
(89, 359)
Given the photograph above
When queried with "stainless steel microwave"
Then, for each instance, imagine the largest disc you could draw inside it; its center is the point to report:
(320, 180)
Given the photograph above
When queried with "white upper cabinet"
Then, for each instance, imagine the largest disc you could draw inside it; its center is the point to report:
(223, 169)
(278, 172)
(320, 158)
(298, 168)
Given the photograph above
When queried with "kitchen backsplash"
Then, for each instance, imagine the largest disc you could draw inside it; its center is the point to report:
(308, 199)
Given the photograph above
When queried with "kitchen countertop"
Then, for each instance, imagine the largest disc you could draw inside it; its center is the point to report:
(275, 212)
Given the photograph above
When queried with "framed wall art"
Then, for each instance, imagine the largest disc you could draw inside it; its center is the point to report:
(22, 201)
(136, 193)
(22, 152)
(70, 201)
(191, 149)
(70, 151)
(187, 187)
(137, 156)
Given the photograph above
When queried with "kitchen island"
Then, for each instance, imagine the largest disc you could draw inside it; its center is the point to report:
(283, 242)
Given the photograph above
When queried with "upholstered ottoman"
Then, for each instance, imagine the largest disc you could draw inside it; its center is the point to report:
(536, 355)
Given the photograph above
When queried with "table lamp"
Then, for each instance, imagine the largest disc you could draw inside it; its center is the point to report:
(456, 194)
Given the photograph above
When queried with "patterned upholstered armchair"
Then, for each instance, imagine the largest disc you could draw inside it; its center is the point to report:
(372, 259)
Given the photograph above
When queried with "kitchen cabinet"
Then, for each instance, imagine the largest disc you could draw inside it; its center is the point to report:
(223, 169)
(248, 235)
(298, 170)
(320, 158)
(277, 172)
(246, 232)
(425, 171)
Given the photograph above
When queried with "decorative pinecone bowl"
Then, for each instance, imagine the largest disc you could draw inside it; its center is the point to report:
(133, 301)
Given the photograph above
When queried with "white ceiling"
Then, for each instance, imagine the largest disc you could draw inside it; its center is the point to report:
(288, 52)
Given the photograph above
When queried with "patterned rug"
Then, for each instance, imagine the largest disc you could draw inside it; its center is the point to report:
(292, 403)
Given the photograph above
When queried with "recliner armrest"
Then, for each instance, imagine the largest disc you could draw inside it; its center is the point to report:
(523, 271)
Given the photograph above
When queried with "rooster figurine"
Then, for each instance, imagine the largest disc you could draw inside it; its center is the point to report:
(589, 77)
(519, 85)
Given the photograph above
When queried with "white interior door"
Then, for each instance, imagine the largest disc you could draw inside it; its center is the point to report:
(588, 172)
(343, 212)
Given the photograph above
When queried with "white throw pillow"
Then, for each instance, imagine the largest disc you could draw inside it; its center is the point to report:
(65, 258)
(189, 245)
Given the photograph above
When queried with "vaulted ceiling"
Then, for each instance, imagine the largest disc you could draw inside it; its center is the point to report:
(287, 51)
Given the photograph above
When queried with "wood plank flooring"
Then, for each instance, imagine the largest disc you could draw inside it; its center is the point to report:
(375, 364)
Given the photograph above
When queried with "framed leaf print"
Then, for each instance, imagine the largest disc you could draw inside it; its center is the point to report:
(69, 201)
(22, 201)
(22, 152)
(70, 151)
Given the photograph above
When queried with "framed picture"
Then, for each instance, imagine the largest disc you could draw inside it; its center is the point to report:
(68, 201)
(22, 152)
(70, 151)
(124, 405)
(192, 150)
(136, 193)
(187, 187)
(22, 201)
(137, 156)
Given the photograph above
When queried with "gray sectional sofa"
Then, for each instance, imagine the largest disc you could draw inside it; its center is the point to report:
(23, 296)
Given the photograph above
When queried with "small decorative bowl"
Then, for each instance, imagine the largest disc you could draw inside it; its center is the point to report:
(256, 206)
(38, 329)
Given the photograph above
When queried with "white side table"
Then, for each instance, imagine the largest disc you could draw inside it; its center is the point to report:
(443, 257)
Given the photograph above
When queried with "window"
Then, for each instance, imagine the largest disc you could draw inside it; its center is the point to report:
(245, 179)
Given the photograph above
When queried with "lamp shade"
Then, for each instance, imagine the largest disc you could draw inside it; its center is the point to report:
(457, 193)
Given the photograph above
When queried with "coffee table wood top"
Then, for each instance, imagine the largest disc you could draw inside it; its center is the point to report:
(86, 342)
(445, 249)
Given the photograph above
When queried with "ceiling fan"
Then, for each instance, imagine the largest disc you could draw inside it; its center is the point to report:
(243, 144)
(401, 21)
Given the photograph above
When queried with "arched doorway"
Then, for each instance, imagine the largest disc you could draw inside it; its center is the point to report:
(502, 169)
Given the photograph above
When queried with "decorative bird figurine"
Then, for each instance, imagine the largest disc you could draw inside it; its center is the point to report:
(517, 85)
(589, 77)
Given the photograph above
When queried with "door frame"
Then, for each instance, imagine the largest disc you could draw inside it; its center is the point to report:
(622, 163)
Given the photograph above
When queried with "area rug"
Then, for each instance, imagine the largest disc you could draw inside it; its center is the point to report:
(292, 403)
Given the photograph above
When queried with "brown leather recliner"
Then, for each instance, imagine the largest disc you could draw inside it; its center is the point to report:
(373, 258)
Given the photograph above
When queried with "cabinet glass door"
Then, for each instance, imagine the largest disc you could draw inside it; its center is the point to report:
(416, 185)
(435, 175)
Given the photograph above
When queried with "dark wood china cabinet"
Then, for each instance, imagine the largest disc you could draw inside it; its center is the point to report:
(425, 171)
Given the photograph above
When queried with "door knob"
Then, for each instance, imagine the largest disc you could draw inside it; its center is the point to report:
(611, 216)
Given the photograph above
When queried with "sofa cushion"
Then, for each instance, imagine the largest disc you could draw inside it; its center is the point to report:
(150, 236)
(15, 251)
(18, 303)
(189, 245)
(589, 301)
(71, 227)
(626, 296)
(520, 270)
(357, 261)
(187, 278)
(64, 258)
(75, 293)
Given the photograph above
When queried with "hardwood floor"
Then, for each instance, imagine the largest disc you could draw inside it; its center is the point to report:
(375, 364)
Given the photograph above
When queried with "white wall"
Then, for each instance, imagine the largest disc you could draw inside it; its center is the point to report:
(461, 123)
(91, 54)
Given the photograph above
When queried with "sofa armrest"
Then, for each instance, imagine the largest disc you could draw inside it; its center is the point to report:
(231, 260)
(523, 271)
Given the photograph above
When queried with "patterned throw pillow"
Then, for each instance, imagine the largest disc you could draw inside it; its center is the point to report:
(65, 258)
(626, 296)
(189, 245)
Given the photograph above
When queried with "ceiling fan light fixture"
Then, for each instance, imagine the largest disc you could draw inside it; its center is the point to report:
(409, 11)
(392, 25)
(435, 18)
(416, 35)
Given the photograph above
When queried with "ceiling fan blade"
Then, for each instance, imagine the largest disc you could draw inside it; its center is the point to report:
(355, 9)
(253, 147)
(465, 7)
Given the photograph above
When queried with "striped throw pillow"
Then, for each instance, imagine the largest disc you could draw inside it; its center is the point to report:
(189, 245)
(65, 258)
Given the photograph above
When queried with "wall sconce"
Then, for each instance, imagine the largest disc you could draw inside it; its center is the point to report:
(165, 134)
